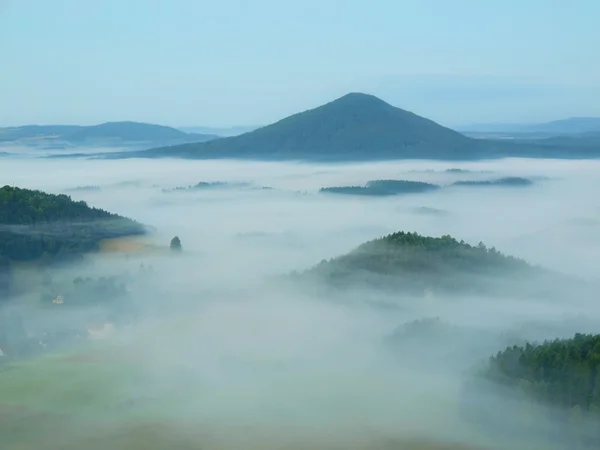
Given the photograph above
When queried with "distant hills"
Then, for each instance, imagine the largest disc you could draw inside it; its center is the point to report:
(361, 127)
(356, 126)
(563, 127)
(506, 181)
(385, 188)
(382, 188)
(221, 132)
(109, 133)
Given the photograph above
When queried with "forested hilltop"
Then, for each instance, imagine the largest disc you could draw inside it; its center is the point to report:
(560, 379)
(418, 263)
(562, 372)
(34, 224)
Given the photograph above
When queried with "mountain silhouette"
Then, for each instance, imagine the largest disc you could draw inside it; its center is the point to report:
(354, 127)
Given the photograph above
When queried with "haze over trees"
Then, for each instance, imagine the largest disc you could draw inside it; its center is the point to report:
(175, 244)
(507, 181)
(362, 127)
(561, 127)
(109, 133)
(34, 224)
(559, 378)
(355, 126)
(412, 263)
(262, 335)
(381, 188)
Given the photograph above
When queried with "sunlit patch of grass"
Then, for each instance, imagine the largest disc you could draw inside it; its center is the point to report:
(52, 384)
(125, 245)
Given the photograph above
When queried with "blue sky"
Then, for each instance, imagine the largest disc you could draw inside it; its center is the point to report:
(238, 62)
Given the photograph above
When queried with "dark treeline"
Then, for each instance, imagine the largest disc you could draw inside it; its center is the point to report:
(382, 188)
(562, 372)
(507, 181)
(553, 388)
(415, 263)
(207, 185)
(48, 228)
(34, 224)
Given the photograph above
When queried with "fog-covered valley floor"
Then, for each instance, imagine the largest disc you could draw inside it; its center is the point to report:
(560, 208)
(226, 355)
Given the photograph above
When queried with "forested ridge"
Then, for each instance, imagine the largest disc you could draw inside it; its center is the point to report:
(561, 372)
(416, 262)
(410, 251)
(550, 390)
(382, 188)
(35, 224)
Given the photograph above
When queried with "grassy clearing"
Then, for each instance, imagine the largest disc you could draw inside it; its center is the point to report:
(53, 384)
(89, 400)
(129, 244)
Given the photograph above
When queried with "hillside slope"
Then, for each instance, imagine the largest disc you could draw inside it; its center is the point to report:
(119, 133)
(128, 131)
(552, 387)
(355, 126)
(561, 127)
(34, 224)
(417, 264)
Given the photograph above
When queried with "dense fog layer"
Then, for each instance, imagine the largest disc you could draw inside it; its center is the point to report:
(226, 352)
(560, 208)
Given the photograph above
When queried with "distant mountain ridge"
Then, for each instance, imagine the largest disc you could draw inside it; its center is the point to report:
(108, 133)
(221, 132)
(355, 127)
(562, 127)
(362, 127)
(359, 126)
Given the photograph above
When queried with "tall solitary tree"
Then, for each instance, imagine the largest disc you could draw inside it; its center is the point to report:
(175, 244)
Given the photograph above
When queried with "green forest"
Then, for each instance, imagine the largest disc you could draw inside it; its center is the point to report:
(560, 372)
(47, 228)
(34, 224)
(548, 390)
(382, 188)
(411, 262)
(506, 181)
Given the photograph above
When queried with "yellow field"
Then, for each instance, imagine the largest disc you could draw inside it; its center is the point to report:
(131, 244)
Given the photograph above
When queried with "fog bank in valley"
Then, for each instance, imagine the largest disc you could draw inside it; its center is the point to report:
(227, 353)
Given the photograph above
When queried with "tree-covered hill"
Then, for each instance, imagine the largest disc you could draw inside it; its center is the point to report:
(34, 224)
(551, 388)
(356, 126)
(382, 188)
(129, 131)
(562, 372)
(411, 262)
(507, 181)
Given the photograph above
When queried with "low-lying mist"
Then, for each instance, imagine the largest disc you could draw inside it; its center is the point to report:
(220, 350)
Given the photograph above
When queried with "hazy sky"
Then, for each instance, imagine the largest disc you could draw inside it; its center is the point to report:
(237, 62)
